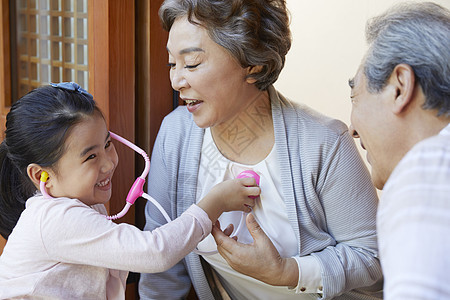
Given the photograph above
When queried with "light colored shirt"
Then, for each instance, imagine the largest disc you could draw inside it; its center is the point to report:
(414, 223)
(64, 249)
(270, 213)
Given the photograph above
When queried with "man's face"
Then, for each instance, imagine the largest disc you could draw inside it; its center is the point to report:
(371, 122)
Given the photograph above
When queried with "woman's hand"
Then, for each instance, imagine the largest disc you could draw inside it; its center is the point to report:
(259, 259)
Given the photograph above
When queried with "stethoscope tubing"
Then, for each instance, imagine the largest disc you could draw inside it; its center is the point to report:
(136, 191)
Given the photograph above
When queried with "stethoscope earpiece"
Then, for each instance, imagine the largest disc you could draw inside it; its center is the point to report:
(44, 176)
(43, 180)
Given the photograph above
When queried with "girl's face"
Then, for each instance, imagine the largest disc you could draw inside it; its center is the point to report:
(86, 168)
(209, 79)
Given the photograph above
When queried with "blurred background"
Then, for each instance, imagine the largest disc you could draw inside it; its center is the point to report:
(328, 45)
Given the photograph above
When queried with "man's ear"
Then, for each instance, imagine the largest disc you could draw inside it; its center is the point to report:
(403, 81)
(34, 172)
(253, 70)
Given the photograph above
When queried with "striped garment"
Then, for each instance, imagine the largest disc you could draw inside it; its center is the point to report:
(330, 200)
(414, 223)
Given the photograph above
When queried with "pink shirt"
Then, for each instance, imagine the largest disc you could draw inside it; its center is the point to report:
(62, 248)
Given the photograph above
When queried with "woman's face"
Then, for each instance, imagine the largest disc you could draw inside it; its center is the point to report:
(210, 81)
(86, 168)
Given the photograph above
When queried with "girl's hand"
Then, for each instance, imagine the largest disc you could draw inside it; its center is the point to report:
(236, 194)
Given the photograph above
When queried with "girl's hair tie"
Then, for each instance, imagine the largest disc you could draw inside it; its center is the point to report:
(71, 86)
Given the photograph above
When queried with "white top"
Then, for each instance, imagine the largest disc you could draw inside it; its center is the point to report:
(414, 223)
(270, 213)
(64, 249)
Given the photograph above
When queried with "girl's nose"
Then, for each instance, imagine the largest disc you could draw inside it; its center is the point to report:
(107, 166)
(110, 162)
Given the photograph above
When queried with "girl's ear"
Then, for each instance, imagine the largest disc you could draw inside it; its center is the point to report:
(34, 172)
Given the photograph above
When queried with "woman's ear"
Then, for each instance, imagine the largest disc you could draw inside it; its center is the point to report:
(34, 172)
(253, 70)
(403, 79)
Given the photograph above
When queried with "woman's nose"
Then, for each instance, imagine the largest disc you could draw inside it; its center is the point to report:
(353, 132)
(178, 80)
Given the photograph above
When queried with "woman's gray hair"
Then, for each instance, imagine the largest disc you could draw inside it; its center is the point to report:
(416, 34)
(255, 33)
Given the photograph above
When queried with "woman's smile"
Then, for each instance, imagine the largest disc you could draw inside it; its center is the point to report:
(192, 104)
(211, 82)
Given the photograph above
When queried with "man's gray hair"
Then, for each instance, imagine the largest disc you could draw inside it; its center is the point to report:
(416, 34)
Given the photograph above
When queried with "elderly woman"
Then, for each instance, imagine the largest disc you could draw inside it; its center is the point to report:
(317, 206)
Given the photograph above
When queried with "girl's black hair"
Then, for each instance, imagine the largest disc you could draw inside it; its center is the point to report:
(36, 129)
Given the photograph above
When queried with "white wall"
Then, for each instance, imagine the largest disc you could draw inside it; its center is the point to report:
(328, 45)
(327, 48)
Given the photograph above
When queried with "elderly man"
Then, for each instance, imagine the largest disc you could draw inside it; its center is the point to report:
(401, 113)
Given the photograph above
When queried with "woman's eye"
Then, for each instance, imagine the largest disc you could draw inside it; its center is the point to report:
(108, 143)
(171, 65)
(191, 66)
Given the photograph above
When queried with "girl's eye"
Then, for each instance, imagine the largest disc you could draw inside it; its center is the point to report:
(108, 143)
(92, 156)
(191, 66)
(171, 65)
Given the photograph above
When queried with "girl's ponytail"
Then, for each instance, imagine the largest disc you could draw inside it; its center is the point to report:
(15, 189)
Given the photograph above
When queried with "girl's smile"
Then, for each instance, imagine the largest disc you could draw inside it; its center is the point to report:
(104, 185)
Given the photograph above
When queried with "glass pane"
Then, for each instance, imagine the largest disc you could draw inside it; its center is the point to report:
(49, 43)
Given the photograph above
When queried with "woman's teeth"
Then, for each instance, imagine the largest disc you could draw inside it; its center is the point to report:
(103, 183)
(191, 102)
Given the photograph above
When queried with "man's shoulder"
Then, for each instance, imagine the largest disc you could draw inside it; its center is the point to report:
(434, 147)
(428, 162)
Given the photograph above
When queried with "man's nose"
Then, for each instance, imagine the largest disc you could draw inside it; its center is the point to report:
(353, 132)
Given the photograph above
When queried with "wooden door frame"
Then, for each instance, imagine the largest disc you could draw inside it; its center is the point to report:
(153, 89)
(5, 75)
(5, 65)
(112, 83)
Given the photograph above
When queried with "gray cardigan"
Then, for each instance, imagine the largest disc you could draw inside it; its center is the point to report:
(330, 200)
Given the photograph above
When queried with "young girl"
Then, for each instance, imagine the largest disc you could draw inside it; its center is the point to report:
(64, 247)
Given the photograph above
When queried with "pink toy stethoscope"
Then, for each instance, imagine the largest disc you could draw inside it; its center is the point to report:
(137, 190)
